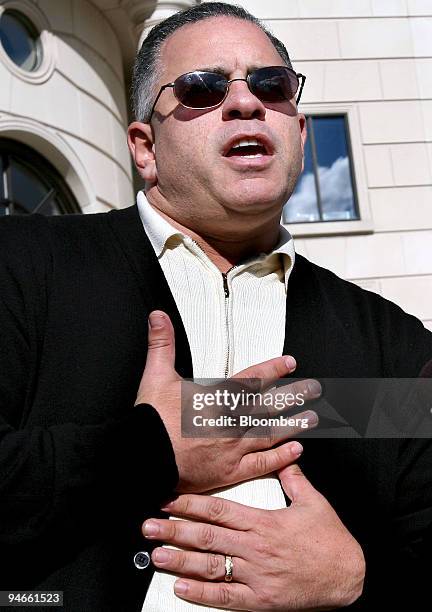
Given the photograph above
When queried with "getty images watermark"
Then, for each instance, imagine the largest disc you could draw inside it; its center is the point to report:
(328, 408)
(233, 401)
(235, 408)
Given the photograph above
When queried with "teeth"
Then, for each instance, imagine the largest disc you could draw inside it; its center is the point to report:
(246, 143)
(252, 156)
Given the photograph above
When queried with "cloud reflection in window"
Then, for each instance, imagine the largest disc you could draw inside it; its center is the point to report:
(336, 195)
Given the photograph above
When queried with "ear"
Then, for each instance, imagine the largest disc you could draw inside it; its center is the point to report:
(141, 145)
(303, 134)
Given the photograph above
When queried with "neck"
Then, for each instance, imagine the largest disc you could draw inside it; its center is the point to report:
(225, 252)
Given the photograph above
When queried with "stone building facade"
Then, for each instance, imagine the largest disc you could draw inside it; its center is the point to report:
(367, 62)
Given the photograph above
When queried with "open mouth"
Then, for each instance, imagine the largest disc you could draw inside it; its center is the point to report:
(248, 148)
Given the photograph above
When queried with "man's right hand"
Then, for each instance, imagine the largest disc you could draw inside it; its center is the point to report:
(209, 463)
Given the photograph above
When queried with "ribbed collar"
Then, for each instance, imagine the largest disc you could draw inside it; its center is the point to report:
(159, 231)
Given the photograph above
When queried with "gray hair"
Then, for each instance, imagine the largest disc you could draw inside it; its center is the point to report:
(146, 70)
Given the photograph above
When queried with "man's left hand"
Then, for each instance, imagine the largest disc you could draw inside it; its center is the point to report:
(297, 558)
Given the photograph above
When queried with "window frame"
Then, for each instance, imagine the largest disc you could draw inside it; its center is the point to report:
(35, 16)
(364, 224)
(32, 159)
(32, 33)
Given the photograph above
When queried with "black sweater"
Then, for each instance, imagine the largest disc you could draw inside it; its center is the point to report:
(81, 468)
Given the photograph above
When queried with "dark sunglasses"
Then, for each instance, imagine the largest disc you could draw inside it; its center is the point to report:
(201, 89)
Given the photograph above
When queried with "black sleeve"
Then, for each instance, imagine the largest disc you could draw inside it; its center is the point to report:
(63, 483)
(410, 547)
(399, 557)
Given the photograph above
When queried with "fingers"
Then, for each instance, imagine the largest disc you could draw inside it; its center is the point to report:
(265, 462)
(202, 536)
(207, 566)
(161, 345)
(294, 395)
(297, 486)
(215, 510)
(264, 436)
(231, 596)
(267, 372)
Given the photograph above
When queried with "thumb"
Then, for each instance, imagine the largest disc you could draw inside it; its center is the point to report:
(161, 346)
(295, 484)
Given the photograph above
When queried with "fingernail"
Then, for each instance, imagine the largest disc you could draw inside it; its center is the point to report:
(151, 528)
(290, 362)
(167, 506)
(314, 387)
(311, 417)
(180, 587)
(161, 555)
(296, 448)
(156, 320)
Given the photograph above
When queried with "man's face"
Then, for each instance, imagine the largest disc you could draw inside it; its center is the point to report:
(195, 167)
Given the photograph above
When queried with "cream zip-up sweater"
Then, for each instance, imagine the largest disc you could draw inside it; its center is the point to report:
(232, 321)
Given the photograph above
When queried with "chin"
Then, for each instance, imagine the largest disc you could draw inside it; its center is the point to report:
(255, 202)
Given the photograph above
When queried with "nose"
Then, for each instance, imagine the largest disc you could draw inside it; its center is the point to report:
(241, 103)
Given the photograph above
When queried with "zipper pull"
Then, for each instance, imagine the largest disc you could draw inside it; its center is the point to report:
(225, 284)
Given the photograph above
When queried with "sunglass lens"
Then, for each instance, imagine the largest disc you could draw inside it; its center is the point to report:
(273, 84)
(200, 89)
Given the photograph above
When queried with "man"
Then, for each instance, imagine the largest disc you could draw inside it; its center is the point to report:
(81, 470)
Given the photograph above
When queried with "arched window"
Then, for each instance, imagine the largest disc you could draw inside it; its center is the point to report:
(30, 184)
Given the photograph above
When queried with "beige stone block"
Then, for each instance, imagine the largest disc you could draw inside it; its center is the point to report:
(396, 121)
(424, 76)
(421, 28)
(314, 88)
(417, 250)
(95, 123)
(126, 195)
(419, 7)
(429, 150)
(426, 106)
(119, 145)
(329, 253)
(276, 9)
(88, 26)
(101, 170)
(408, 208)
(412, 294)
(62, 103)
(399, 79)
(54, 102)
(352, 81)
(374, 255)
(301, 246)
(96, 207)
(386, 8)
(372, 38)
(428, 324)
(73, 64)
(373, 285)
(114, 49)
(58, 14)
(80, 64)
(91, 27)
(20, 94)
(308, 40)
(333, 8)
(118, 93)
(379, 169)
(5, 89)
(410, 164)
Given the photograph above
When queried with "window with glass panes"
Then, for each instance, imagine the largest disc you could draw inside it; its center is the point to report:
(20, 39)
(30, 184)
(325, 191)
